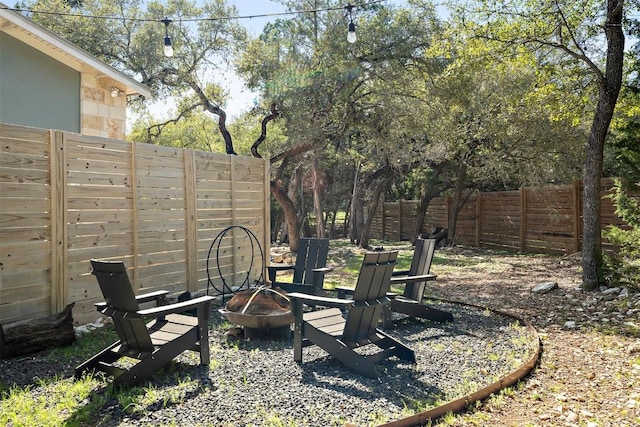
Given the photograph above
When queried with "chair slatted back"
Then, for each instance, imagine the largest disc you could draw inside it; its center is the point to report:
(420, 265)
(369, 295)
(118, 294)
(312, 253)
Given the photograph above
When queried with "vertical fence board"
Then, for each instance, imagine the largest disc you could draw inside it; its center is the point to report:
(192, 220)
(59, 221)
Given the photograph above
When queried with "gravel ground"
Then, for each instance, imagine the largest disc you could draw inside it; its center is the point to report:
(256, 382)
(588, 375)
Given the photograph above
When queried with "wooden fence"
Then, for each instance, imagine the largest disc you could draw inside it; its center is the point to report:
(67, 198)
(541, 219)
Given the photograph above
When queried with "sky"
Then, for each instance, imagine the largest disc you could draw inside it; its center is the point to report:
(241, 99)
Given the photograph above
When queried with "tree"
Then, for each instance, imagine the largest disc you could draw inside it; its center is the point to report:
(572, 31)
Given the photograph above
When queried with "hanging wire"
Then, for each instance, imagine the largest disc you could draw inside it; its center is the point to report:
(188, 19)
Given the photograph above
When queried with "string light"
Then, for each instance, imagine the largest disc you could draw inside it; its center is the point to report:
(168, 49)
(183, 19)
(351, 30)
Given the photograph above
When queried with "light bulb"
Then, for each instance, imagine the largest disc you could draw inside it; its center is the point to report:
(351, 35)
(168, 49)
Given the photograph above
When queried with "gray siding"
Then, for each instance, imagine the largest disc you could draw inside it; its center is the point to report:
(36, 90)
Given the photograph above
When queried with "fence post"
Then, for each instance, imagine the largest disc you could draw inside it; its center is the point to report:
(191, 220)
(135, 208)
(266, 242)
(523, 219)
(448, 207)
(576, 215)
(478, 218)
(399, 220)
(383, 220)
(58, 164)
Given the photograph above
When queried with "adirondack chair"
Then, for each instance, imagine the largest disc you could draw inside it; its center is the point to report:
(308, 270)
(338, 334)
(415, 279)
(153, 344)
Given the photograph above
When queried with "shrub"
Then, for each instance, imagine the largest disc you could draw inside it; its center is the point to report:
(623, 267)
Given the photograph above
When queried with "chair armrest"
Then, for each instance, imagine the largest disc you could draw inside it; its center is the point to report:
(400, 273)
(281, 267)
(343, 291)
(411, 279)
(151, 296)
(274, 268)
(319, 300)
(141, 299)
(178, 307)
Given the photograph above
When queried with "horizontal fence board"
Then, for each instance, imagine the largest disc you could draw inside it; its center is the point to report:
(34, 136)
(24, 190)
(25, 308)
(14, 204)
(33, 176)
(26, 277)
(41, 233)
(24, 219)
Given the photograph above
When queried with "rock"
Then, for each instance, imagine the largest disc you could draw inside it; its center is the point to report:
(611, 291)
(572, 417)
(278, 258)
(570, 324)
(543, 288)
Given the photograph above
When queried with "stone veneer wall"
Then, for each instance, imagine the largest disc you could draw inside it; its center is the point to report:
(101, 114)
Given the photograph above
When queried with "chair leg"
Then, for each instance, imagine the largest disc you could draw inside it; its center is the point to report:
(159, 358)
(398, 349)
(351, 359)
(387, 319)
(105, 356)
(414, 309)
(203, 333)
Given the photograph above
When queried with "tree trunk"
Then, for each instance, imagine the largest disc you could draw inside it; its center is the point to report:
(421, 213)
(431, 191)
(373, 207)
(289, 211)
(317, 198)
(457, 203)
(609, 89)
(354, 222)
(32, 335)
(347, 220)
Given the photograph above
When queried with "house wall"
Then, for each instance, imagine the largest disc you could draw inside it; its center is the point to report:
(35, 89)
(39, 91)
(102, 114)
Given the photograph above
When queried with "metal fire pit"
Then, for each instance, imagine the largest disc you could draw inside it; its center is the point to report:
(260, 325)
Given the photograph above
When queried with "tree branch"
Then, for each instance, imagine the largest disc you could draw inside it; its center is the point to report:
(263, 134)
(160, 126)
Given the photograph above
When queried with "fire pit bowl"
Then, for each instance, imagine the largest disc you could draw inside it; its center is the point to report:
(262, 311)
(258, 321)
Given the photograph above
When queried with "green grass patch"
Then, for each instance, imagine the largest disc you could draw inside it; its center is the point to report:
(51, 403)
